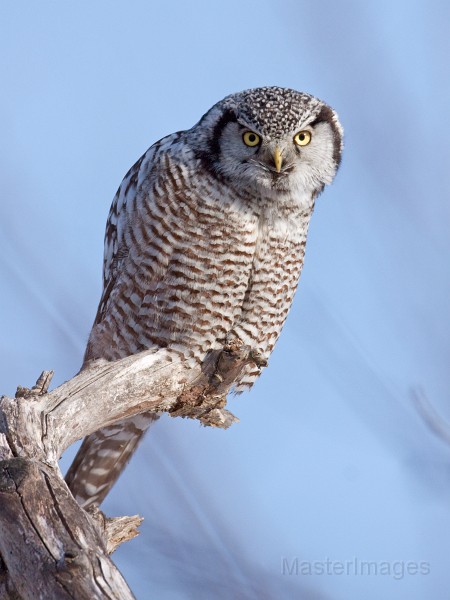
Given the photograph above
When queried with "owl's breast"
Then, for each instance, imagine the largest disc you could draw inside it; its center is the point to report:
(189, 267)
(276, 267)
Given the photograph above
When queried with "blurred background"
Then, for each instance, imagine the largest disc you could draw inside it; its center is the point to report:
(331, 460)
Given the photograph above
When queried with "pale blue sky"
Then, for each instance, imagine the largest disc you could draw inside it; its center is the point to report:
(330, 460)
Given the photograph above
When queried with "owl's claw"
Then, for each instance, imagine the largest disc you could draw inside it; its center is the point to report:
(258, 358)
(236, 347)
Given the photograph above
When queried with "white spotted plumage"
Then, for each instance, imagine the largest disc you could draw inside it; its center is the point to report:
(204, 243)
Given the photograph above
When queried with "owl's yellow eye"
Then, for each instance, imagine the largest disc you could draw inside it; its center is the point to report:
(251, 139)
(302, 138)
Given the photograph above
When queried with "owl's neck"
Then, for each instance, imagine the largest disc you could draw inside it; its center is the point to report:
(288, 205)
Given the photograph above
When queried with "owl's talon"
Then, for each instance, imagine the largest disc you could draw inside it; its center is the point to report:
(257, 357)
(234, 346)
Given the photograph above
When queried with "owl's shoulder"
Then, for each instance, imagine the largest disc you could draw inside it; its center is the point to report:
(123, 203)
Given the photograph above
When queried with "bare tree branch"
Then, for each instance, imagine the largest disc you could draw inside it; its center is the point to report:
(49, 546)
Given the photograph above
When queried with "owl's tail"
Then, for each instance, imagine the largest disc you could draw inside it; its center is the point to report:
(102, 457)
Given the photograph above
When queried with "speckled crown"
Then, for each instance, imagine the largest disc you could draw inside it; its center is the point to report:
(275, 111)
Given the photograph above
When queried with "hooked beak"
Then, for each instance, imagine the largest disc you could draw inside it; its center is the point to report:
(277, 159)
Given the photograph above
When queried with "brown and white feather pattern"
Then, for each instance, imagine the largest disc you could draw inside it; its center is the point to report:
(205, 242)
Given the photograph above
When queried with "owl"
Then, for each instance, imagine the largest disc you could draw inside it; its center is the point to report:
(204, 247)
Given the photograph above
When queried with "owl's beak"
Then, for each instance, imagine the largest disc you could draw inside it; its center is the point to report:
(277, 159)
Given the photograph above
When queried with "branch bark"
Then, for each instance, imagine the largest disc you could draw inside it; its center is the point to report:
(49, 546)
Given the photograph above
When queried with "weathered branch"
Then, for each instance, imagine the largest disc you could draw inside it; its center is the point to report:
(116, 530)
(49, 546)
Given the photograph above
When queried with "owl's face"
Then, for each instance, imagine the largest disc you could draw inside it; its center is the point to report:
(271, 140)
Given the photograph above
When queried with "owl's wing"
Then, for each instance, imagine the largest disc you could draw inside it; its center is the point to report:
(115, 246)
(104, 454)
(121, 214)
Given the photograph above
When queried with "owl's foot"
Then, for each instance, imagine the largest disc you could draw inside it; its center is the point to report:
(258, 358)
(206, 398)
(238, 349)
(235, 347)
(230, 361)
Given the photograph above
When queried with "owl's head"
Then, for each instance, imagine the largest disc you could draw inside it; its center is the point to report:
(271, 139)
